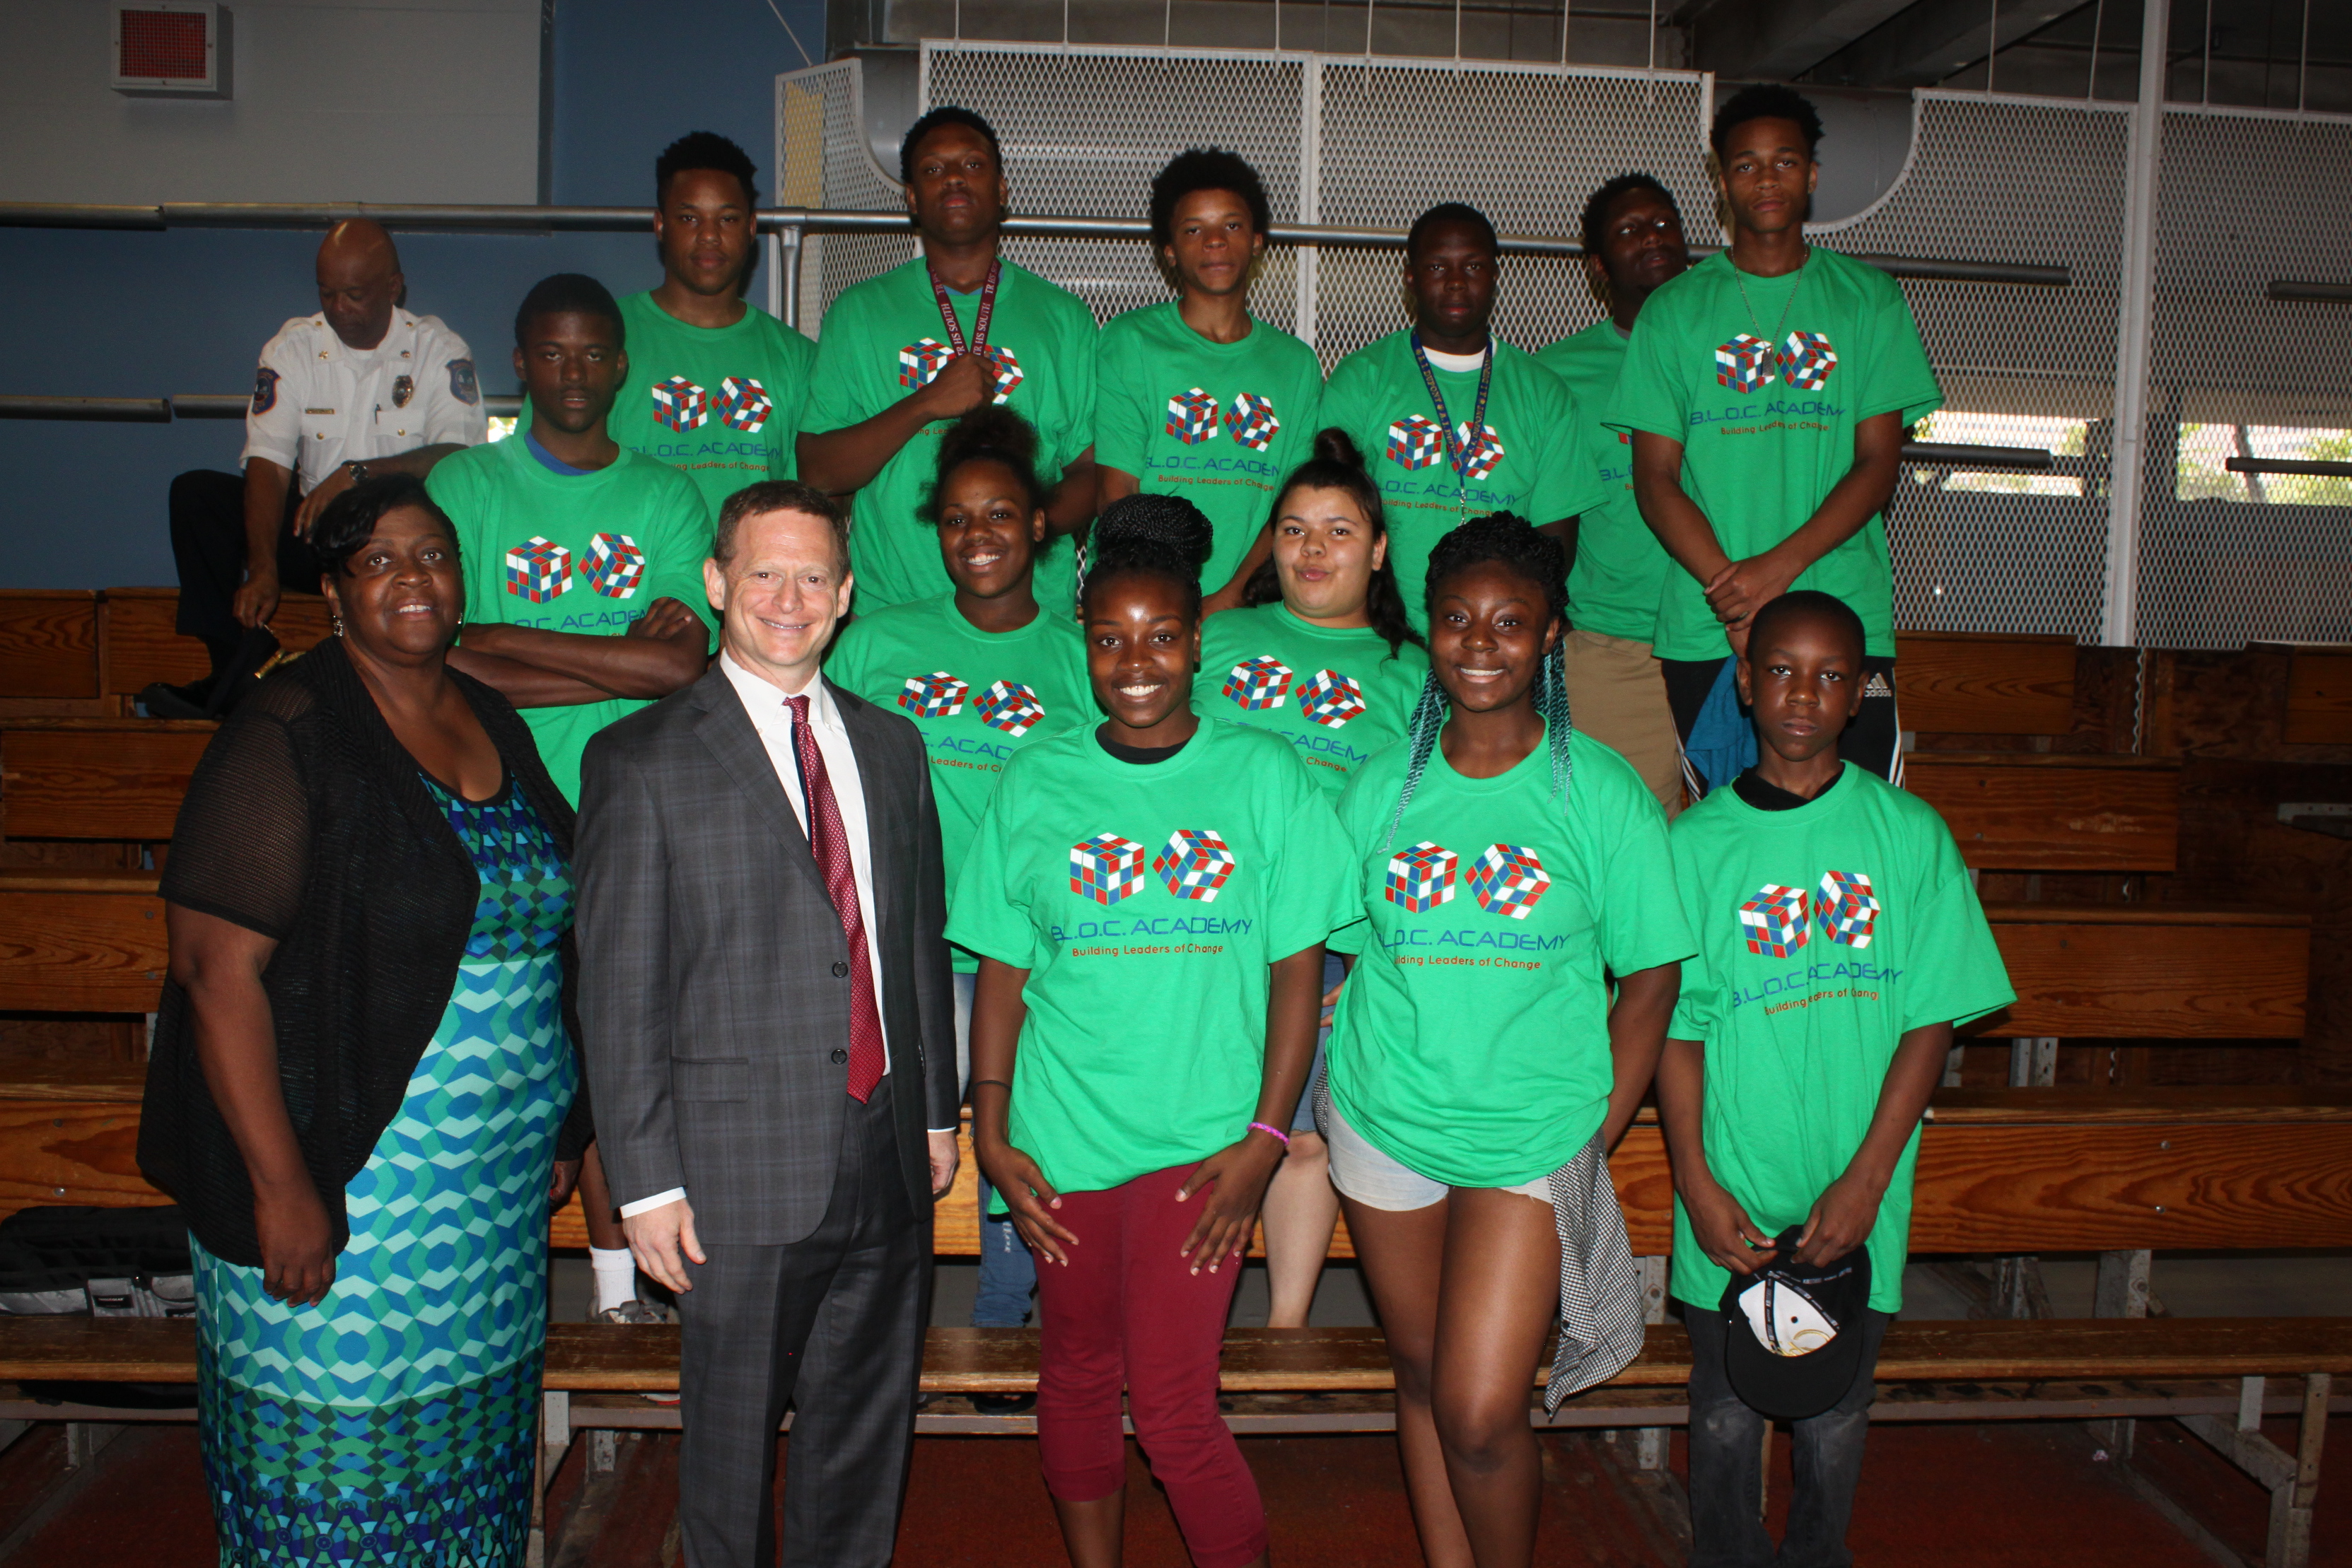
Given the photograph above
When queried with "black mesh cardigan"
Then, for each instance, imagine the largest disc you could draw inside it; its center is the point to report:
(309, 822)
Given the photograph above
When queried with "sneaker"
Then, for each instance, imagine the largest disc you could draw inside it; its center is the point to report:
(157, 700)
(637, 1315)
(633, 1312)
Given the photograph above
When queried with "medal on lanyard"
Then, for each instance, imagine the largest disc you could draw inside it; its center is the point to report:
(1458, 452)
(980, 318)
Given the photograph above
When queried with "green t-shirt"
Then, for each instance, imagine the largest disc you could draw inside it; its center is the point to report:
(1472, 1042)
(1532, 460)
(884, 340)
(1337, 696)
(1621, 567)
(977, 697)
(1824, 931)
(1766, 428)
(1146, 901)
(1217, 424)
(567, 552)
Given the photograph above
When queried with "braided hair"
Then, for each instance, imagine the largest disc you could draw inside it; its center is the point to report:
(1508, 541)
(1337, 465)
(1156, 535)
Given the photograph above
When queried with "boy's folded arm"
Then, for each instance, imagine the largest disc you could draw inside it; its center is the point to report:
(1843, 1216)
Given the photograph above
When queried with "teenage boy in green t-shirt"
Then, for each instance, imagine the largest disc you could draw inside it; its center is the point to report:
(716, 386)
(904, 354)
(583, 590)
(1633, 243)
(1453, 423)
(1767, 390)
(583, 559)
(1195, 396)
(1839, 941)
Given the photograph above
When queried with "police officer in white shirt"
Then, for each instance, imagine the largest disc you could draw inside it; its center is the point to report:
(362, 387)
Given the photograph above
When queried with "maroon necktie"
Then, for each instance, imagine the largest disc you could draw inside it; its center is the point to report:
(830, 843)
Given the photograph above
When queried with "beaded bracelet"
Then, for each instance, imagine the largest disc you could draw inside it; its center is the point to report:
(1276, 1132)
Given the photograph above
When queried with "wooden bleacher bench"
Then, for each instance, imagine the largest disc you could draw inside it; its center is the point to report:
(2118, 1173)
(2151, 971)
(138, 644)
(49, 653)
(1966, 683)
(76, 941)
(2319, 695)
(2053, 811)
(97, 778)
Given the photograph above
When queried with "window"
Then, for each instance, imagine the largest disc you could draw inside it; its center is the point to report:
(2062, 437)
(2203, 472)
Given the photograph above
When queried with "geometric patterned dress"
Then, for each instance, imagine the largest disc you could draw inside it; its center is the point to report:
(392, 1423)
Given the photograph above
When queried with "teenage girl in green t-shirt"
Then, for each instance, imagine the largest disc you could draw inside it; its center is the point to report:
(1323, 607)
(1478, 1072)
(1141, 1029)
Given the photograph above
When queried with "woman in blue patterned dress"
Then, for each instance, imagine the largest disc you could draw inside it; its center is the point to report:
(362, 1074)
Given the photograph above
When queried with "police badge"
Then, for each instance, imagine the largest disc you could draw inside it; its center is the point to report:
(462, 384)
(403, 388)
(264, 390)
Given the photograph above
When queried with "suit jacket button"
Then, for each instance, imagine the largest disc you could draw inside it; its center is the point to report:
(840, 970)
(839, 1057)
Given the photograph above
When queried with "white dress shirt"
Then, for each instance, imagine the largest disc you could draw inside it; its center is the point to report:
(773, 721)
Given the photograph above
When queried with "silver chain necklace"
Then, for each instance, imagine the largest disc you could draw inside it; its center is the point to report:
(1789, 305)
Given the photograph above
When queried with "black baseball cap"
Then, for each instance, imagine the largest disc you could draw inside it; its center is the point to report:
(1794, 1330)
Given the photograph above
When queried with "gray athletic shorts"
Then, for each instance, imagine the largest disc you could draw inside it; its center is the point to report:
(1369, 1176)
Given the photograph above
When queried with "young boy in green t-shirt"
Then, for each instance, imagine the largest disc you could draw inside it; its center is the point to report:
(1195, 396)
(1767, 390)
(1839, 941)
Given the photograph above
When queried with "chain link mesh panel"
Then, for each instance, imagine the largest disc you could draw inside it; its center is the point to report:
(822, 161)
(2037, 181)
(2244, 199)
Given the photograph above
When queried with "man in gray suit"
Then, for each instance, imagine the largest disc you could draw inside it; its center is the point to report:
(771, 1042)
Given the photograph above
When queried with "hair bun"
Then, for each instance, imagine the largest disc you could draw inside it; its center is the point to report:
(990, 428)
(1333, 444)
(1153, 531)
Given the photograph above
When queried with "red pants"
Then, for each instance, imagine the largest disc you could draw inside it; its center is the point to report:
(1126, 1309)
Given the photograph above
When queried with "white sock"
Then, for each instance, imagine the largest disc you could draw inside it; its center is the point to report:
(616, 1276)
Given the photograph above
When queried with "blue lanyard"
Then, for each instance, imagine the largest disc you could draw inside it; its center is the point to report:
(1457, 452)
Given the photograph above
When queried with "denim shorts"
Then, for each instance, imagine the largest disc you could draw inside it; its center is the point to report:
(1369, 1176)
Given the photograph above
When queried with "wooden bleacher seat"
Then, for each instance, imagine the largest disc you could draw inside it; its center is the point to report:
(96, 778)
(1966, 683)
(2053, 811)
(49, 653)
(76, 941)
(2151, 971)
(2319, 696)
(138, 644)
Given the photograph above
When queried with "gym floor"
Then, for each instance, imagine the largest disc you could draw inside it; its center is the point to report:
(1933, 1494)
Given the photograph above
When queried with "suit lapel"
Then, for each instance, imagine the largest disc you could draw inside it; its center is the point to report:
(885, 814)
(726, 732)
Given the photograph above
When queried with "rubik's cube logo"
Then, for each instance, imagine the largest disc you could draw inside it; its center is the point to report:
(1806, 361)
(744, 404)
(1107, 868)
(1846, 908)
(1251, 420)
(1195, 864)
(1415, 442)
(1259, 683)
(1483, 450)
(1422, 878)
(1743, 363)
(539, 570)
(1007, 369)
(1774, 920)
(617, 565)
(1192, 417)
(1331, 698)
(1011, 707)
(936, 696)
(680, 405)
(1509, 881)
(921, 362)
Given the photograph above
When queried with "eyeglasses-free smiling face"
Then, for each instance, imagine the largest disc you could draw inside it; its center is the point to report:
(989, 528)
(1489, 629)
(401, 594)
(1143, 642)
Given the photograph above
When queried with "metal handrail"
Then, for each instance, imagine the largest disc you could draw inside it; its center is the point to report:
(2287, 291)
(2313, 468)
(791, 223)
(1948, 455)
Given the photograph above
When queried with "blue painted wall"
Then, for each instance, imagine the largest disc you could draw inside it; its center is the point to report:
(95, 314)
